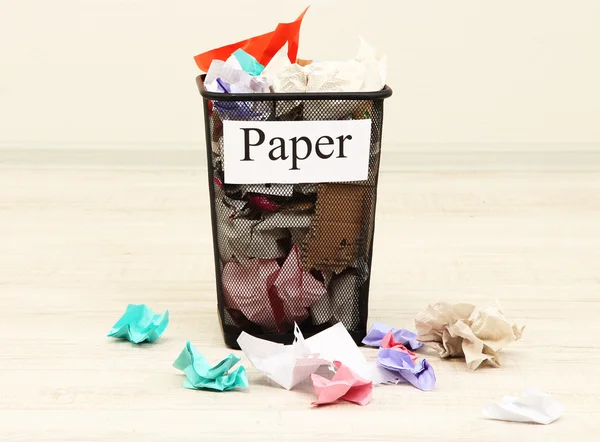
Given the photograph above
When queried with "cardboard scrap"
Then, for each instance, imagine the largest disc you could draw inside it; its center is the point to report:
(334, 240)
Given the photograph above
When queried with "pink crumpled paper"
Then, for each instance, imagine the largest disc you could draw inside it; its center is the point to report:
(388, 341)
(271, 296)
(345, 385)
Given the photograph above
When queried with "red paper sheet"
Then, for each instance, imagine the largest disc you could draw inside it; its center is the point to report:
(262, 47)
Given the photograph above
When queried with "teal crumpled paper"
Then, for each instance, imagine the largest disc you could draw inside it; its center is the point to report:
(200, 375)
(248, 63)
(139, 324)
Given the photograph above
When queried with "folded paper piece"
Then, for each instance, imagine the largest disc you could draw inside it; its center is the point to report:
(262, 47)
(457, 330)
(201, 375)
(533, 407)
(345, 385)
(419, 374)
(378, 331)
(271, 296)
(139, 324)
(287, 365)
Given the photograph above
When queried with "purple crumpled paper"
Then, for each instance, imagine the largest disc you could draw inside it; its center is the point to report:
(379, 330)
(420, 374)
(231, 110)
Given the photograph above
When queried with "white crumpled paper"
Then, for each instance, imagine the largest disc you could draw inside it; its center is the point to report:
(532, 407)
(283, 75)
(365, 73)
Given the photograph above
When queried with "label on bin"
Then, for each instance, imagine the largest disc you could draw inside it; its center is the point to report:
(295, 152)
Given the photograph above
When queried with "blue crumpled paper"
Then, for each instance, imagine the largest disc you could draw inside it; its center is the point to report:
(200, 375)
(379, 330)
(248, 63)
(420, 374)
(139, 324)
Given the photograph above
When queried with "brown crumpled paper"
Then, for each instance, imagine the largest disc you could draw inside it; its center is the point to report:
(463, 330)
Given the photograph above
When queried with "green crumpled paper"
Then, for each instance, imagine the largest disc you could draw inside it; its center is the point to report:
(201, 376)
(248, 62)
(139, 324)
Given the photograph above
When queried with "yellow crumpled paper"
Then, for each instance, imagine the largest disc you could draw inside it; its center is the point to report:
(463, 330)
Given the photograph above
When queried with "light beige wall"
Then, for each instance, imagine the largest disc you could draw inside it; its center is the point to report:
(120, 72)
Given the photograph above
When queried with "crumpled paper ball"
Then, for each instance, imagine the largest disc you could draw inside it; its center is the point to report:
(463, 330)
(139, 323)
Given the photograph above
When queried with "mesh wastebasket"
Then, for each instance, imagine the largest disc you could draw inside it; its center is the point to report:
(289, 252)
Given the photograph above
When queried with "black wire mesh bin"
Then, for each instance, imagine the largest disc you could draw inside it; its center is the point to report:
(293, 189)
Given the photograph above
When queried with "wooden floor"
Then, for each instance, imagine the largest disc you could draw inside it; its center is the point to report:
(81, 238)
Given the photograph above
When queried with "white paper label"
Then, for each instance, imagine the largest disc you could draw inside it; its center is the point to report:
(295, 152)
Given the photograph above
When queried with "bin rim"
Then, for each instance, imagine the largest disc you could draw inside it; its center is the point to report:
(382, 94)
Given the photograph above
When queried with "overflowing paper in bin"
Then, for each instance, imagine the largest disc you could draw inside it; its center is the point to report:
(293, 181)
